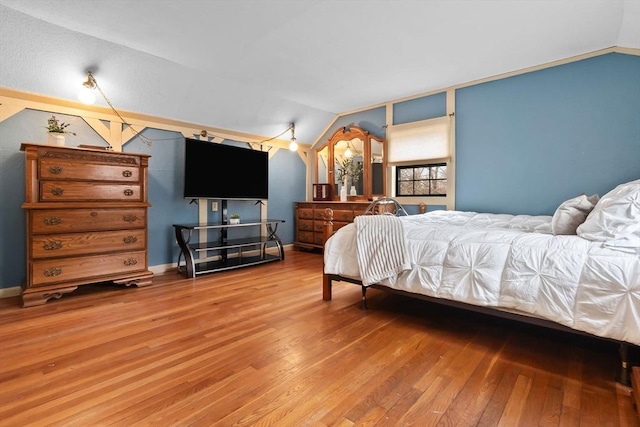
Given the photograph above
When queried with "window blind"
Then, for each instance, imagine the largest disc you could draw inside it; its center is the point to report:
(419, 141)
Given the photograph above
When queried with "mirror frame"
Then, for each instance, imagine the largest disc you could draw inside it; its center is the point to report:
(347, 134)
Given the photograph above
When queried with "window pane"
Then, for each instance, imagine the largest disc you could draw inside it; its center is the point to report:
(421, 173)
(406, 174)
(441, 172)
(422, 187)
(439, 187)
(405, 188)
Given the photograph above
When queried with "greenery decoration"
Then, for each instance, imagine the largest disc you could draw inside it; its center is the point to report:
(55, 127)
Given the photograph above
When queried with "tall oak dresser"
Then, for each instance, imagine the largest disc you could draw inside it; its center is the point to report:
(86, 220)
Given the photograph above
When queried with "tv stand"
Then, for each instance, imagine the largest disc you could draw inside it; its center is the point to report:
(209, 256)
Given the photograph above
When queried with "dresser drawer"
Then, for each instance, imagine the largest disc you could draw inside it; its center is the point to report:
(305, 236)
(61, 191)
(305, 225)
(339, 215)
(318, 239)
(305, 213)
(72, 220)
(90, 267)
(61, 245)
(318, 226)
(56, 169)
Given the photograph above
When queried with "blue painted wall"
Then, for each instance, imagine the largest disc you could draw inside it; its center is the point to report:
(166, 173)
(527, 143)
(424, 108)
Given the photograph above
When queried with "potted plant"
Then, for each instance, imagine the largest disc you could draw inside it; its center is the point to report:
(57, 131)
(234, 219)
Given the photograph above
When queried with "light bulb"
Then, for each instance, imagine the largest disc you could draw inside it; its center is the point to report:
(293, 145)
(86, 96)
(347, 153)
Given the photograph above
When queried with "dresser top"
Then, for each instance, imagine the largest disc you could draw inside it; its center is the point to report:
(96, 149)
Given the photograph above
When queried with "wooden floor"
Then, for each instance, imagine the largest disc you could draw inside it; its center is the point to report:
(259, 347)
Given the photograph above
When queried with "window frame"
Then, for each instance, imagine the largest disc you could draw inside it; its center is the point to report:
(429, 179)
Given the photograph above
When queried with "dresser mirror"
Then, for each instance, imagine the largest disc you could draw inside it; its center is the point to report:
(322, 164)
(359, 155)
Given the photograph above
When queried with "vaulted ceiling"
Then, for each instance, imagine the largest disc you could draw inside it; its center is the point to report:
(254, 66)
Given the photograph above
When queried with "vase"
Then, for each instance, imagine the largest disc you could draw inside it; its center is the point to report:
(343, 193)
(55, 138)
(353, 191)
(234, 220)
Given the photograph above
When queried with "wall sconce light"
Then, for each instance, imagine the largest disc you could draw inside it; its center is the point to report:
(86, 94)
(293, 145)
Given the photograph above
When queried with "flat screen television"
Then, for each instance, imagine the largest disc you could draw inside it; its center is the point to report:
(220, 171)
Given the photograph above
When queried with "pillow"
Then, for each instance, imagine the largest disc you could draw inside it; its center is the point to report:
(571, 213)
(615, 220)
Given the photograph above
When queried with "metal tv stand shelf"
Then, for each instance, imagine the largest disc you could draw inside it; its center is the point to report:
(198, 256)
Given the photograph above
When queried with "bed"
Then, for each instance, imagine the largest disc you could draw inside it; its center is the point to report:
(578, 270)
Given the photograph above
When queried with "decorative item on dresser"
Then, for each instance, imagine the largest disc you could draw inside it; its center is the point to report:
(86, 215)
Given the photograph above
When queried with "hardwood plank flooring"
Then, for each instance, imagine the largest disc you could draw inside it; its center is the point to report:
(259, 347)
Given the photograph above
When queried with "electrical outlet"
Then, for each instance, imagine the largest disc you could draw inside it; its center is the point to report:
(214, 206)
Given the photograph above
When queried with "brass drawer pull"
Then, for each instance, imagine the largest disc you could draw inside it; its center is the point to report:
(130, 262)
(94, 214)
(128, 192)
(57, 191)
(130, 239)
(129, 218)
(52, 272)
(52, 220)
(56, 170)
(127, 173)
(53, 245)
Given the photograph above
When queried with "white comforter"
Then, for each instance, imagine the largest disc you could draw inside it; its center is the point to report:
(501, 261)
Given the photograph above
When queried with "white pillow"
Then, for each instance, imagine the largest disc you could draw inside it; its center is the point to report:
(616, 219)
(571, 213)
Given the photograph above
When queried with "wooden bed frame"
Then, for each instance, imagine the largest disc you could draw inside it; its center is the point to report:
(623, 376)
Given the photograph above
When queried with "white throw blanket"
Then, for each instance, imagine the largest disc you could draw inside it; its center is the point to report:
(381, 248)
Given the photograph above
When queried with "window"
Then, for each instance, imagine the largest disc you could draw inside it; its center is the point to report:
(420, 157)
(422, 180)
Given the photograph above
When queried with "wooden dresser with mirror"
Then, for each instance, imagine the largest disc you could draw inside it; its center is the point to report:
(351, 144)
(358, 146)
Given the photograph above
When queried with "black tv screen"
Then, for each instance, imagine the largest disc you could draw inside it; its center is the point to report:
(219, 171)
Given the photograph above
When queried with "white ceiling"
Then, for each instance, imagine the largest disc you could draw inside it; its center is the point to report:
(256, 65)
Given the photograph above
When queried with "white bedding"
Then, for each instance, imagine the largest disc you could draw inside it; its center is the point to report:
(500, 261)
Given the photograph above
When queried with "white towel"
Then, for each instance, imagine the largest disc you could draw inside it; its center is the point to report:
(380, 247)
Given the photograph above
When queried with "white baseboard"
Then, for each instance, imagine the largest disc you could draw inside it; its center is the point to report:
(10, 292)
(162, 268)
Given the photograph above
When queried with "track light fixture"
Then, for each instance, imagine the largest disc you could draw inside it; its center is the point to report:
(86, 94)
(293, 145)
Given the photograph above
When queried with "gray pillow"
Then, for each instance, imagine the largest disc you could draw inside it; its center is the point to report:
(571, 213)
